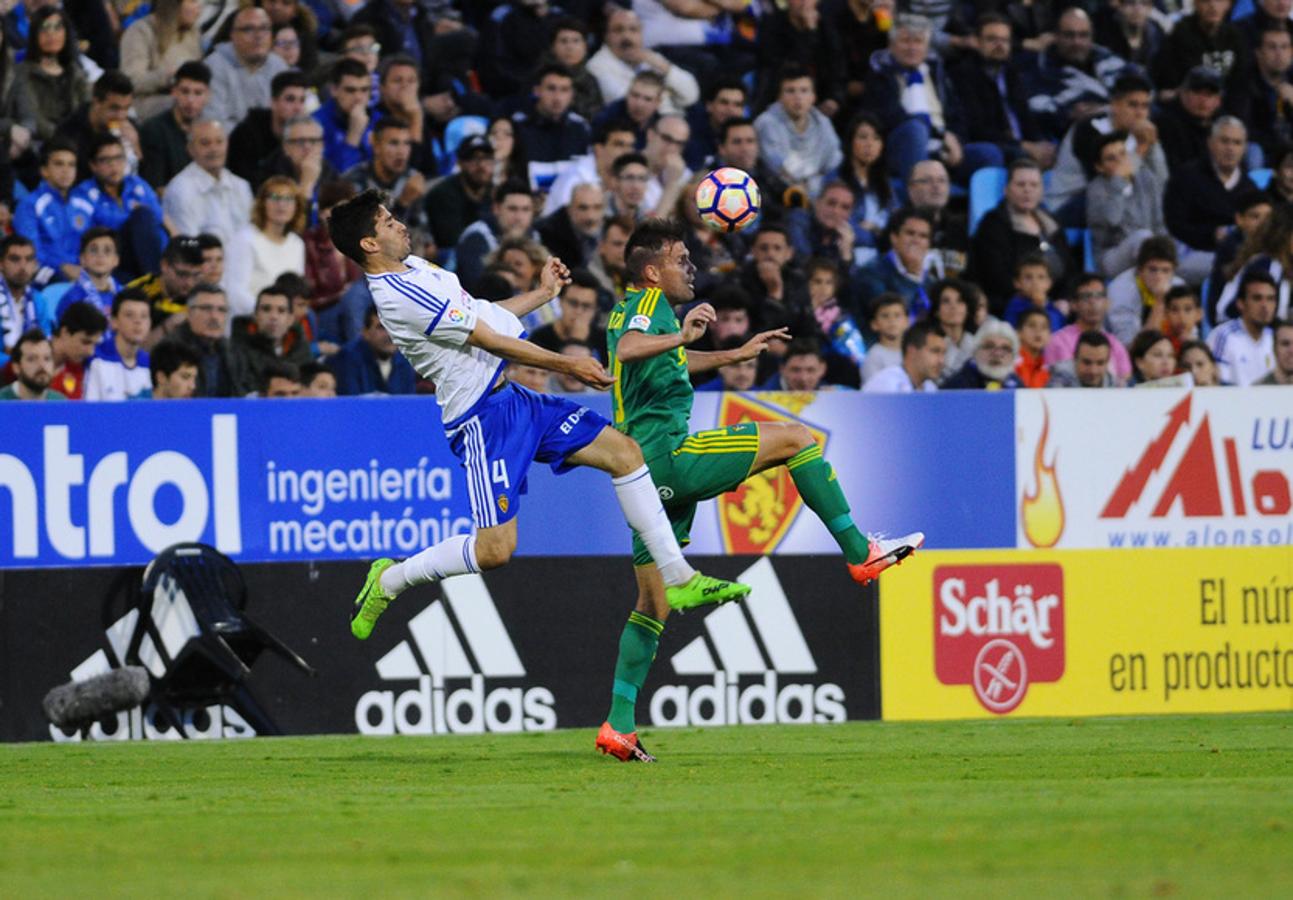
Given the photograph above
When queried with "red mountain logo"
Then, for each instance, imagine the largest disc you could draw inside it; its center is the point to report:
(1197, 479)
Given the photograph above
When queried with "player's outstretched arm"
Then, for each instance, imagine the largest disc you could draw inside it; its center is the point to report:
(635, 346)
(586, 369)
(552, 279)
(707, 360)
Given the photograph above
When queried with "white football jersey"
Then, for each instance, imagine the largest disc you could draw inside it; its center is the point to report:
(430, 316)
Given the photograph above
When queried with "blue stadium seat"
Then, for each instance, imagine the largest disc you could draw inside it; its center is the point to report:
(1260, 177)
(987, 186)
(1088, 251)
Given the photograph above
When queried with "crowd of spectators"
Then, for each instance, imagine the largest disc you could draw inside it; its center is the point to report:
(167, 170)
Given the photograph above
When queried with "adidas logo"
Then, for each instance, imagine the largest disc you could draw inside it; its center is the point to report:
(459, 637)
(175, 624)
(758, 640)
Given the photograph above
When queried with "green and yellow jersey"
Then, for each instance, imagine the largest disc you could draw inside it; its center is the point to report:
(652, 398)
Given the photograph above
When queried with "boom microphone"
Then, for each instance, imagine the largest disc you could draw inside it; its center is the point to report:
(80, 703)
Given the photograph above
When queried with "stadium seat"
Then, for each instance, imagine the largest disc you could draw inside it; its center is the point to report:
(1088, 251)
(457, 131)
(1260, 177)
(193, 636)
(987, 187)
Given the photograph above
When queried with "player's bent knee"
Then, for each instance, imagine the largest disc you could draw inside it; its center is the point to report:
(626, 455)
(493, 551)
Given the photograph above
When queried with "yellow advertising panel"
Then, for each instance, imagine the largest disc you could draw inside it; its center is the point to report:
(971, 634)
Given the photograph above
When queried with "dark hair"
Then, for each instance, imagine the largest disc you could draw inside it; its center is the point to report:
(730, 296)
(1159, 247)
(583, 278)
(113, 81)
(822, 264)
(1092, 338)
(277, 368)
(735, 122)
(346, 67)
(1104, 140)
(1087, 278)
(208, 241)
(311, 371)
(168, 356)
(991, 18)
(59, 143)
(370, 314)
(510, 187)
(193, 71)
(646, 243)
(1143, 341)
(905, 215)
(31, 336)
(1182, 290)
(66, 56)
(101, 140)
(183, 248)
(1255, 276)
(289, 79)
(603, 130)
(100, 231)
(273, 290)
(1271, 25)
(1247, 199)
(772, 227)
(335, 191)
(1029, 313)
(1029, 261)
(962, 288)
(575, 342)
(398, 61)
(648, 76)
(353, 220)
(558, 24)
(355, 30)
(881, 301)
(128, 295)
(1130, 82)
(724, 83)
(791, 72)
(15, 240)
(624, 160)
(804, 346)
(293, 284)
(389, 123)
(915, 337)
(1019, 165)
(1200, 345)
(82, 317)
(624, 223)
(877, 174)
(553, 68)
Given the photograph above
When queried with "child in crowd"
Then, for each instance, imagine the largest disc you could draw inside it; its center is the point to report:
(1034, 334)
(119, 369)
(888, 322)
(99, 258)
(1183, 313)
(1032, 291)
(845, 348)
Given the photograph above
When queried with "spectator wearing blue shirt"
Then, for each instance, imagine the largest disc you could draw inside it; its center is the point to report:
(345, 120)
(46, 214)
(94, 283)
(370, 364)
(554, 136)
(1032, 289)
(126, 203)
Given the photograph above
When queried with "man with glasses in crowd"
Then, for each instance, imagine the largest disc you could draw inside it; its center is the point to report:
(243, 68)
(223, 369)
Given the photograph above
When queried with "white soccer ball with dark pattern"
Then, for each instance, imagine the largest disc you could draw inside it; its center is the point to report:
(728, 199)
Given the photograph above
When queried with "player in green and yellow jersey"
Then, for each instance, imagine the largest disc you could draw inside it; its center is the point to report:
(652, 400)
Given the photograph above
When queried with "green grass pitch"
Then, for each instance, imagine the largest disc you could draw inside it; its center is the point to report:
(1191, 806)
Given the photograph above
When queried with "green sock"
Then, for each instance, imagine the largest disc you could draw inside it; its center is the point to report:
(638, 643)
(821, 490)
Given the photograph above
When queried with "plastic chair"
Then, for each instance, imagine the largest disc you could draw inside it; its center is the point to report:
(987, 187)
(194, 638)
(1261, 177)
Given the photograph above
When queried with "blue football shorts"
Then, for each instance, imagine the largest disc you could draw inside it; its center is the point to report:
(512, 427)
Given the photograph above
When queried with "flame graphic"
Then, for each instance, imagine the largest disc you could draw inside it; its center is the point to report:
(1042, 510)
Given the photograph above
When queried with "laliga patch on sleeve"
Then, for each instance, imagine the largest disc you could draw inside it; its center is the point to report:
(455, 316)
(639, 323)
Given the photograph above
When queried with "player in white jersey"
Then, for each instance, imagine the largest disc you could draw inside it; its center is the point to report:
(496, 429)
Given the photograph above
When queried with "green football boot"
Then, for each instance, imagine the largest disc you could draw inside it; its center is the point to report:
(704, 590)
(371, 602)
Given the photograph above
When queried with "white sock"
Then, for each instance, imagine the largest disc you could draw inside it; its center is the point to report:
(452, 556)
(645, 514)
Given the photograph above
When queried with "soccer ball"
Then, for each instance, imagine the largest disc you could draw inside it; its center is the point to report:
(728, 199)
